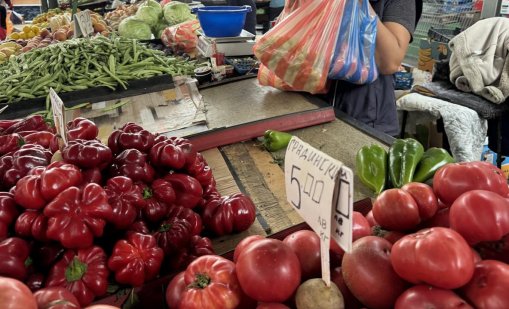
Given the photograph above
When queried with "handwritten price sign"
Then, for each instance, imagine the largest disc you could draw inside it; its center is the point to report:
(320, 188)
(58, 109)
(83, 24)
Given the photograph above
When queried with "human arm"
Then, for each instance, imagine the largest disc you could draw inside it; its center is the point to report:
(394, 34)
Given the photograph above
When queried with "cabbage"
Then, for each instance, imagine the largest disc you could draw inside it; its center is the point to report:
(133, 28)
(154, 4)
(148, 15)
(177, 12)
(158, 29)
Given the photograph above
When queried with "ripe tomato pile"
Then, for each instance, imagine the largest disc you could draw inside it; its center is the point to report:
(86, 214)
(419, 247)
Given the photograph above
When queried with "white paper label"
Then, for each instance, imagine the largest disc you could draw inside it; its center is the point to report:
(83, 24)
(313, 184)
(57, 106)
(342, 215)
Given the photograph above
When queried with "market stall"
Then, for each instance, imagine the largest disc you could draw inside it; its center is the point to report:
(143, 166)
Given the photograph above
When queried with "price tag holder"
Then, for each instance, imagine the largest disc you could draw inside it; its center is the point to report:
(83, 24)
(58, 108)
(318, 186)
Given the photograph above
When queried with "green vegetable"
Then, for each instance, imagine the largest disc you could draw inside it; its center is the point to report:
(156, 5)
(371, 167)
(148, 15)
(275, 140)
(404, 155)
(157, 30)
(133, 28)
(84, 63)
(177, 12)
(433, 159)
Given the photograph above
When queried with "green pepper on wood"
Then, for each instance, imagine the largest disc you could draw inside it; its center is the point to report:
(276, 140)
(433, 159)
(371, 167)
(404, 155)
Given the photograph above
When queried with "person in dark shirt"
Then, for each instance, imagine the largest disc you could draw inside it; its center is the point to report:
(375, 104)
(3, 23)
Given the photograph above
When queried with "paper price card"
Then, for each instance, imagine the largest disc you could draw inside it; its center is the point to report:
(313, 184)
(58, 108)
(83, 24)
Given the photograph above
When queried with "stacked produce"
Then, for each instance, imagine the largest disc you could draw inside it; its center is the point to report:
(123, 11)
(150, 19)
(90, 213)
(29, 31)
(406, 162)
(8, 50)
(42, 20)
(419, 247)
(83, 63)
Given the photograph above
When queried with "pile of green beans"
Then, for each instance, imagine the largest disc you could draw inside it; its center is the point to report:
(79, 64)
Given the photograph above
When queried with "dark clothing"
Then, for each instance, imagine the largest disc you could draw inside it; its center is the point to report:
(250, 24)
(3, 17)
(375, 104)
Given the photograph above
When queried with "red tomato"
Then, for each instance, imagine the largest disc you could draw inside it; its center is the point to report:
(440, 219)
(101, 307)
(437, 256)
(174, 290)
(489, 286)
(371, 219)
(368, 273)
(56, 298)
(268, 271)
(306, 245)
(272, 306)
(424, 197)
(441, 205)
(350, 301)
(454, 179)
(243, 244)
(424, 296)
(396, 210)
(360, 226)
(15, 295)
(480, 215)
(210, 283)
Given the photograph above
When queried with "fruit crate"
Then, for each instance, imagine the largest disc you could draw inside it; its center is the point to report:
(152, 294)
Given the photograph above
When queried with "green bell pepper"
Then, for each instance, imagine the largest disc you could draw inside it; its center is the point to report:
(371, 167)
(276, 140)
(433, 159)
(404, 155)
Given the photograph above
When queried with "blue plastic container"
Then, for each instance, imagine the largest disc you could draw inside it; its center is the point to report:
(222, 21)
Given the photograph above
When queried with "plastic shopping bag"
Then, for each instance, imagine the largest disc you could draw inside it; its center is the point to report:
(265, 76)
(300, 47)
(354, 55)
(181, 37)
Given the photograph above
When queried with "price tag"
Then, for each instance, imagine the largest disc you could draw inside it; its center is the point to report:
(83, 24)
(342, 215)
(313, 188)
(57, 106)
